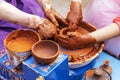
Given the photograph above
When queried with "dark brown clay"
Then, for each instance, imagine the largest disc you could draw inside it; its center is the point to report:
(106, 66)
(97, 74)
(45, 51)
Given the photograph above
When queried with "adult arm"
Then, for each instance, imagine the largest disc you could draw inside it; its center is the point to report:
(80, 41)
(10, 13)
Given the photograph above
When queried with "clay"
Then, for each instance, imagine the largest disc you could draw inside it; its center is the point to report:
(71, 42)
(47, 30)
(106, 66)
(76, 31)
(74, 16)
(45, 51)
(76, 54)
(75, 39)
(96, 74)
(79, 54)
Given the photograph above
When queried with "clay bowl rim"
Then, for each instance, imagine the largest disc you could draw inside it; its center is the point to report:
(53, 56)
(12, 32)
(88, 59)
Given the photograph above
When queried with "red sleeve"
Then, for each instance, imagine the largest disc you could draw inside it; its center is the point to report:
(117, 21)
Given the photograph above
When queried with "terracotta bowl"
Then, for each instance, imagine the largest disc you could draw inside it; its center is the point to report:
(45, 51)
(97, 74)
(19, 43)
(81, 57)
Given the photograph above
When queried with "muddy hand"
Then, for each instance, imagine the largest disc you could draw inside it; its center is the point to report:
(75, 42)
(74, 16)
(46, 29)
(51, 13)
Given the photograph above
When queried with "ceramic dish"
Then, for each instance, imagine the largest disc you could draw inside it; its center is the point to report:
(45, 51)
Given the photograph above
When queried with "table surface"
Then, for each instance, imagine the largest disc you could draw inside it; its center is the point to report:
(114, 63)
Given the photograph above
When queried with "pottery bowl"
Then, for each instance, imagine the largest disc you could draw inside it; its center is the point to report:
(81, 57)
(45, 51)
(19, 43)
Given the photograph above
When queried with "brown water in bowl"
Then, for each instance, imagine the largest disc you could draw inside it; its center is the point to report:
(42, 52)
(21, 44)
(45, 50)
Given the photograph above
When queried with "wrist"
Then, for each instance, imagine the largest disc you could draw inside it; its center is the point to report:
(33, 21)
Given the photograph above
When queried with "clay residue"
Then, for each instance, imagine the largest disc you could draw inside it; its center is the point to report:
(76, 27)
(76, 38)
(47, 30)
(81, 55)
(76, 54)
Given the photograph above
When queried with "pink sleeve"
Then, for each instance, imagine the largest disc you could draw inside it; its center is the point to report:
(117, 21)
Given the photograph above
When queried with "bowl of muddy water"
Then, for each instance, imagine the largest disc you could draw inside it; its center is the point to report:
(19, 43)
(45, 51)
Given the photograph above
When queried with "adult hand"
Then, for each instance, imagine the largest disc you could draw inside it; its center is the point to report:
(73, 41)
(51, 13)
(43, 26)
(74, 16)
(46, 29)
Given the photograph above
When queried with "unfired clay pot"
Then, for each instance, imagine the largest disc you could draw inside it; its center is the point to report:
(19, 43)
(45, 51)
